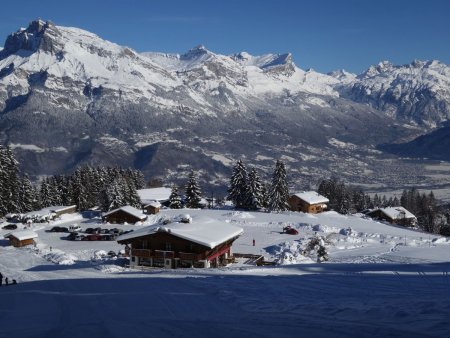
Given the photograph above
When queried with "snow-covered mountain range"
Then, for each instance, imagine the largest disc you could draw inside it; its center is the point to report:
(68, 97)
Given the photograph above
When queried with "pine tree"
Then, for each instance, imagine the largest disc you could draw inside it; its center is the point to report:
(27, 195)
(255, 190)
(193, 193)
(45, 194)
(174, 199)
(279, 193)
(10, 181)
(238, 192)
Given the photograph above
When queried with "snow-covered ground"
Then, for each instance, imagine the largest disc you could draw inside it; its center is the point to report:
(381, 280)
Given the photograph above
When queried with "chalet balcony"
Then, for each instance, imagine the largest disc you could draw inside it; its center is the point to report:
(164, 254)
(161, 254)
(187, 256)
(141, 253)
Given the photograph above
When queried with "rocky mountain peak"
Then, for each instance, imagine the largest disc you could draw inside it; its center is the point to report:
(195, 53)
(38, 35)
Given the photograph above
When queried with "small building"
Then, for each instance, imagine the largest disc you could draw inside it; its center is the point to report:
(21, 238)
(152, 208)
(394, 215)
(308, 201)
(126, 214)
(63, 209)
(150, 195)
(203, 243)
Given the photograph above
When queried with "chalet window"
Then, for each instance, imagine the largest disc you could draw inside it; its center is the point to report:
(168, 246)
(144, 245)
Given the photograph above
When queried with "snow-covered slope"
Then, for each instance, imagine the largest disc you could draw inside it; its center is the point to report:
(381, 280)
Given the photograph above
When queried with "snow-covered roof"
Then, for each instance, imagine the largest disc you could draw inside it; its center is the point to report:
(204, 231)
(129, 210)
(397, 213)
(59, 208)
(22, 234)
(154, 194)
(154, 204)
(312, 197)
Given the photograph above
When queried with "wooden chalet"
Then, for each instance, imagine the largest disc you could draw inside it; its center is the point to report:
(394, 215)
(126, 214)
(308, 201)
(21, 238)
(204, 243)
(150, 195)
(152, 208)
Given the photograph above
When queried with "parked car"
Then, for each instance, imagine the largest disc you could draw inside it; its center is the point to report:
(112, 254)
(116, 231)
(10, 227)
(89, 231)
(59, 229)
(108, 237)
(74, 228)
(79, 237)
(72, 236)
(290, 230)
(93, 237)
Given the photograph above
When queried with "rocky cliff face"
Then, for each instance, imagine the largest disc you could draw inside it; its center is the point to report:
(68, 98)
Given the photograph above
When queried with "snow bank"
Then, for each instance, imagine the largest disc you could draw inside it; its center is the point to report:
(59, 257)
(291, 253)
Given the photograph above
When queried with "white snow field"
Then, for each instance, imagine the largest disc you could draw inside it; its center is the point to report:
(373, 286)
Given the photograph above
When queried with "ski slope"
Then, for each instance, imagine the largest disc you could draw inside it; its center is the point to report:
(373, 286)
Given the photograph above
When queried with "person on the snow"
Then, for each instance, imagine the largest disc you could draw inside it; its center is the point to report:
(1, 279)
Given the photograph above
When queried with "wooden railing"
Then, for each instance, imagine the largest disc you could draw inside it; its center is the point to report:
(141, 252)
(187, 256)
(164, 254)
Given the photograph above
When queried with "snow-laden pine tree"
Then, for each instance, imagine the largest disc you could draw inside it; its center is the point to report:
(9, 182)
(255, 190)
(27, 195)
(45, 193)
(193, 192)
(238, 191)
(279, 193)
(175, 199)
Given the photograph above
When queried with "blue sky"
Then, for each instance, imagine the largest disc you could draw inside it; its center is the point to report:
(323, 34)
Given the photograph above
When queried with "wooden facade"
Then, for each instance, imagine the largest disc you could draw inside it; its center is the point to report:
(120, 216)
(162, 249)
(151, 209)
(405, 221)
(297, 204)
(20, 243)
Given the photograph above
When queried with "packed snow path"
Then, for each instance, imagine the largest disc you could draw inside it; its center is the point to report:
(339, 300)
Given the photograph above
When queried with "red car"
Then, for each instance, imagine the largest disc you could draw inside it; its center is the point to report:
(93, 238)
(290, 230)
